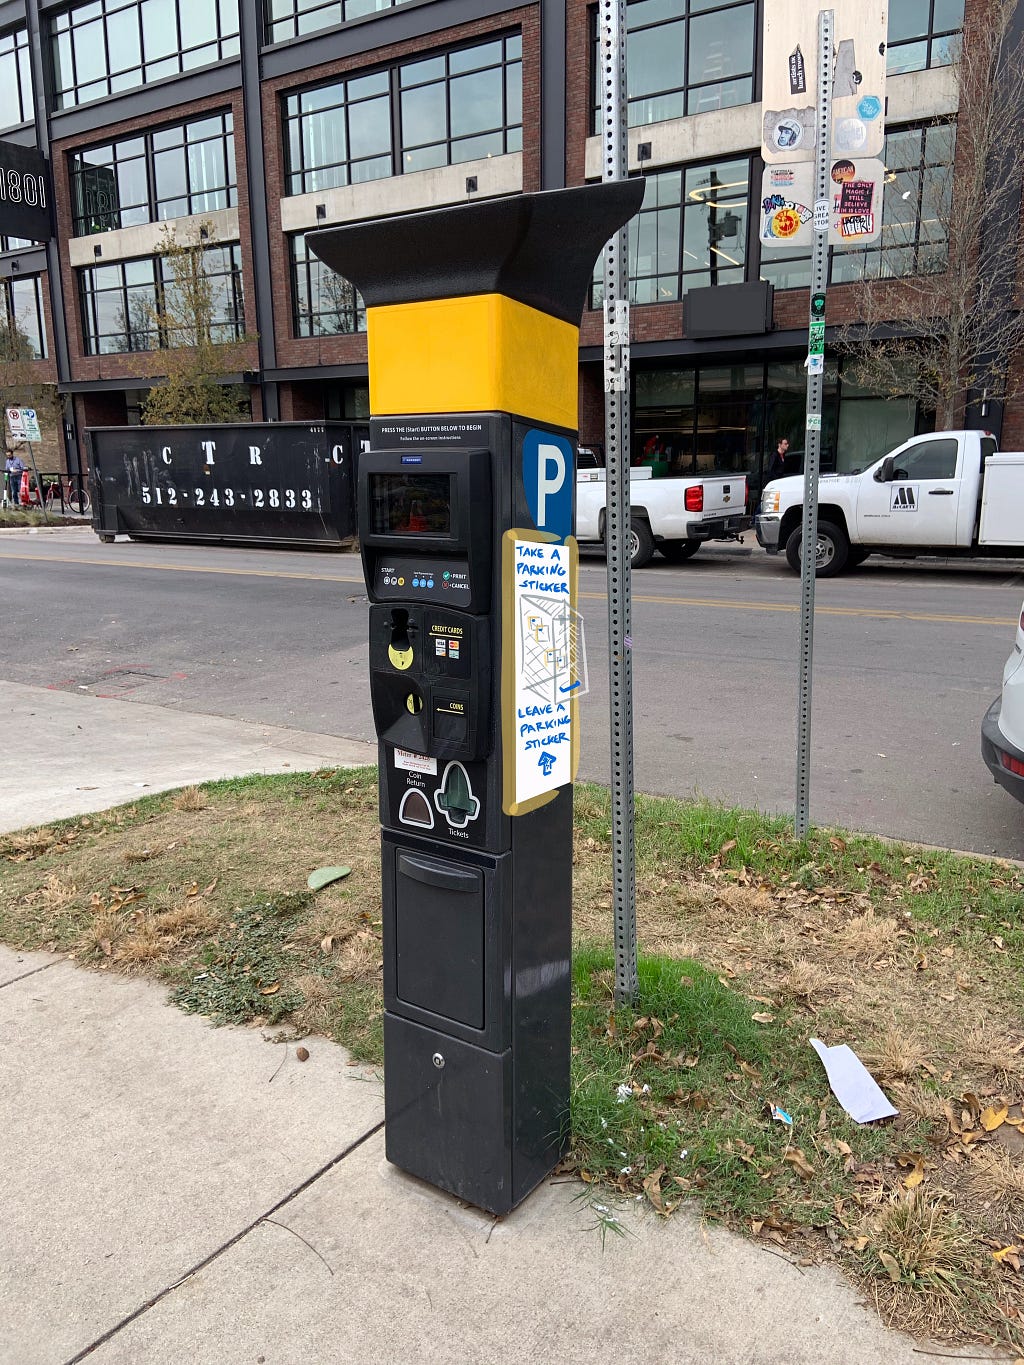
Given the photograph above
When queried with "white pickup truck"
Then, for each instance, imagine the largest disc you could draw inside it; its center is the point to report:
(672, 515)
(947, 493)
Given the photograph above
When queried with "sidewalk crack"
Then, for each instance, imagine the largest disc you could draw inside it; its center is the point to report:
(226, 1246)
(25, 975)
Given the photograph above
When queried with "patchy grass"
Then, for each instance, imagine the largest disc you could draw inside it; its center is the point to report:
(754, 941)
(32, 516)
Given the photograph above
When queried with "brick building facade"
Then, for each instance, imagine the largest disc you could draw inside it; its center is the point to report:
(259, 120)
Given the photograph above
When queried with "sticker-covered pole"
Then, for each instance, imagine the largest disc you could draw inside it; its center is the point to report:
(812, 445)
(618, 535)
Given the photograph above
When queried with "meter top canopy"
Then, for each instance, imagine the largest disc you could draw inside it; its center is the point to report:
(538, 249)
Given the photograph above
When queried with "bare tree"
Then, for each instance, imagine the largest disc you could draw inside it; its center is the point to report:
(942, 318)
(197, 319)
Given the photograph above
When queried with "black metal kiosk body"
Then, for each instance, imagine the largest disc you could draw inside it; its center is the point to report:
(465, 495)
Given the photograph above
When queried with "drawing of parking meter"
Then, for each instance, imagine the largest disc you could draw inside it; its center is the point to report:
(475, 647)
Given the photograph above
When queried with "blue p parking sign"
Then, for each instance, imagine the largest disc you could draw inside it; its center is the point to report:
(548, 474)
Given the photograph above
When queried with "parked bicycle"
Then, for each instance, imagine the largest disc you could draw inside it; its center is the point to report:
(64, 495)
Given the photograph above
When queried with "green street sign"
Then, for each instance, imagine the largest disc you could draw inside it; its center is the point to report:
(818, 307)
(817, 332)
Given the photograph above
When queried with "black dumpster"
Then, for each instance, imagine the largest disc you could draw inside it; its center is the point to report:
(281, 483)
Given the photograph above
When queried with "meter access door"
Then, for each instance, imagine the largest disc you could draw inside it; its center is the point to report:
(476, 666)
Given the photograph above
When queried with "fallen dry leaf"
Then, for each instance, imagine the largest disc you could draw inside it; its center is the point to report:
(993, 1118)
(891, 1264)
(799, 1162)
(916, 1174)
(763, 1017)
(270, 990)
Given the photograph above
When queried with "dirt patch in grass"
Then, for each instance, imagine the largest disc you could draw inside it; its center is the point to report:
(753, 942)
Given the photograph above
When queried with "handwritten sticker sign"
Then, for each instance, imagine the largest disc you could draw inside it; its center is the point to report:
(543, 669)
(856, 210)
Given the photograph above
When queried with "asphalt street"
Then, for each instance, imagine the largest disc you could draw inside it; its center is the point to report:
(907, 658)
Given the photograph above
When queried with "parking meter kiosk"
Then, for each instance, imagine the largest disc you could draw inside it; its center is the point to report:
(465, 521)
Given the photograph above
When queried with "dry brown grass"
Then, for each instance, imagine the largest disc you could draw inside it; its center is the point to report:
(56, 892)
(997, 1178)
(898, 1055)
(868, 939)
(320, 996)
(917, 1101)
(810, 983)
(191, 799)
(992, 1049)
(934, 1268)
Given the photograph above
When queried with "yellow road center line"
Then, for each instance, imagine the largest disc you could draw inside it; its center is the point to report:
(711, 603)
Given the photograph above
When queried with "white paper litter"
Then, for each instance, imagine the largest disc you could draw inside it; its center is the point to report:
(853, 1084)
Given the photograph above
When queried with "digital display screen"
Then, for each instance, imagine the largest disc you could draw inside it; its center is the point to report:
(411, 504)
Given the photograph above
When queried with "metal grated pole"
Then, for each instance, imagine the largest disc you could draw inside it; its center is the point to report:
(612, 24)
(812, 444)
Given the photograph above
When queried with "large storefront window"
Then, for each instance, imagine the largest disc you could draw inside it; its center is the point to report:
(730, 418)
(683, 57)
(915, 213)
(168, 173)
(691, 231)
(923, 33)
(107, 46)
(324, 304)
(453, 107)
(16, 101)
(120, 302)
(23, 316)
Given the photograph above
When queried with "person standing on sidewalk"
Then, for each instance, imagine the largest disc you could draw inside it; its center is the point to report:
(777, 465)
(13, 470)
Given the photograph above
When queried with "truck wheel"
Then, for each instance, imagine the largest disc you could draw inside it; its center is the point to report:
(641, 544)
(675, 551)
(833, 549)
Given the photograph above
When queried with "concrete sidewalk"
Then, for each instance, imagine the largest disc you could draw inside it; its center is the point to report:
(174, 1192)
(68, 753)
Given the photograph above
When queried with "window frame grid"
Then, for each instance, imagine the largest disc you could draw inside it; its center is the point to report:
(929, 38)
(681, 272)
(398, 147)
(23, 66)
(916, 244)
(686, 88)
(303, 265)
(68, 95)
(40, 351)
(298, 11)
(77, 173)
(344, 105)
(503, 130)
(91, 335)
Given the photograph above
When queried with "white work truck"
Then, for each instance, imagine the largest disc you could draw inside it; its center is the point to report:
(674, 515)
(947, 493)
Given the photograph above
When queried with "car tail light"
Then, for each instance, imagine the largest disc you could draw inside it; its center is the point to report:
(1022, 618)
(693, 498)
(1012, 765)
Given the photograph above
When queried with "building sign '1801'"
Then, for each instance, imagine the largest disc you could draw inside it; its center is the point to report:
(24, 193)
